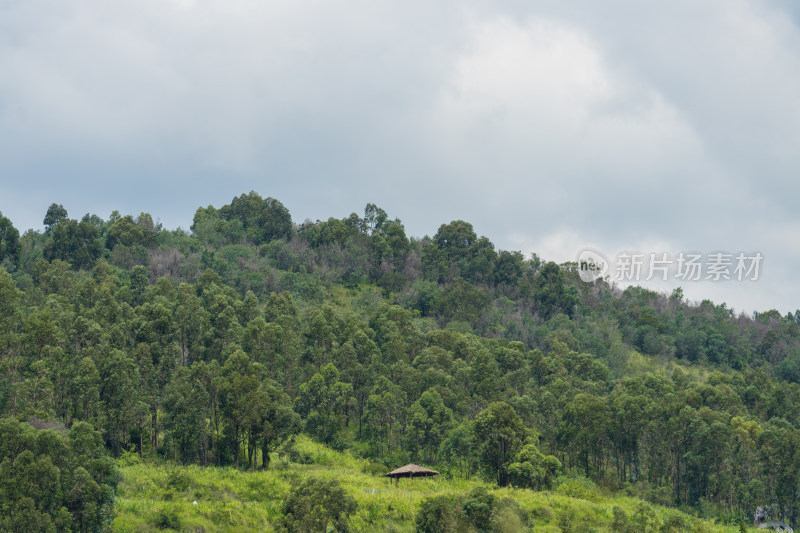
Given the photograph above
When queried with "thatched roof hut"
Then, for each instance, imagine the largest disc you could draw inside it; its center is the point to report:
(410, 470)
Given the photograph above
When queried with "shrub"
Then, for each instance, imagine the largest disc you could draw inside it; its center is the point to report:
(313, 504)
(166, 518)
(437, 514)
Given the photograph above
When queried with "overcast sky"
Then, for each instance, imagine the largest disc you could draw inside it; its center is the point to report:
(549, 125)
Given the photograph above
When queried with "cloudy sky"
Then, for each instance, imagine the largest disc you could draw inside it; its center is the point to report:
(550, 125)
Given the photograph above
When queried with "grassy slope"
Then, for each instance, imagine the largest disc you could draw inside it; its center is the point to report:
(156, 495)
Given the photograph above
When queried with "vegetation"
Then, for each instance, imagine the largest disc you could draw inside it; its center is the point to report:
(197, 356)
(54, 479)
(236, 500)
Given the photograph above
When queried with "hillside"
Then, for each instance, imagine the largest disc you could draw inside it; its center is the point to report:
(154, 495)
(218, 347)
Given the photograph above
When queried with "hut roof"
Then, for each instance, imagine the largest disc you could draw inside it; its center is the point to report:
(411, 470)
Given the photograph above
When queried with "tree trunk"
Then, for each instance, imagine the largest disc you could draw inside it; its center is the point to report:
(154, 437)
(236, 443)
(265, 455)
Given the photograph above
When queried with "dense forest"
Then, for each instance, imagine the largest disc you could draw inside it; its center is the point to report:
(223, 343)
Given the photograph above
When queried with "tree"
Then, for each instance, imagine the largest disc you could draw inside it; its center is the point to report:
(324, 402)
(119, 386)
(430, 420)
(277, 424)
(583, 429)
(240, 398)
(374, 219)
(383, 412)
(55, 214)
(128, 232)
(499, 434)
(186, 405)
(75, 242)
(458, 449)
(551, 293)
(54, 480)
(455, 239)
(508, 268)
(314, 504)
(263, 219)
(532, 469)
(9, 240)
(256, 409)
(462, 302)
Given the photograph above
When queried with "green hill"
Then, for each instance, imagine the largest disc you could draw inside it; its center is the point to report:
(216, 348)
(156, 495)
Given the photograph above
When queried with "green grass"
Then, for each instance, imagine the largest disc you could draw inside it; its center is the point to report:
(154, 495)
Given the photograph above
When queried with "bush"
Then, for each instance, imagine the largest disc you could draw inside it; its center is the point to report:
(581, 488)
(179, 480)
(477, 511)
(313, 504)
(166, 518)
(437, 514)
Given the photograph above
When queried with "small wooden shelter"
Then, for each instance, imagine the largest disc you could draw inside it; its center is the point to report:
(411, 471)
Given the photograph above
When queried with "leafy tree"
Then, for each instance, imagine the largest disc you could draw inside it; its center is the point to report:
(374, 219)
(551, 293)
(583, 429)
(383, 413)
(499, 434)
(462, 302)
(240, 398)
(455, 239)
(54, 480)
(508, 268)
(119, 392)
(430, 420)
(9, 240)
(186, 405)
(458, 449)
(324, 402)
(55, 214)
(263, 219)
(126, 231)
(533, 470)
(256, 410)
(74, 242)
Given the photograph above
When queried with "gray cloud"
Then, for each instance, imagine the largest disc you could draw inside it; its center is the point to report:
(548, 125)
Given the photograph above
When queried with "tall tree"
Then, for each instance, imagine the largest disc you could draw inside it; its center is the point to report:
(499, 434)
(55, 214)
(9, 240)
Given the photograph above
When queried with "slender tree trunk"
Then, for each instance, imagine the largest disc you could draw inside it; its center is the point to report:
(154, 437)
(264, 454)
(236, 441)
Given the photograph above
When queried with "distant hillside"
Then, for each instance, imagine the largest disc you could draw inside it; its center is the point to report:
(219, 344)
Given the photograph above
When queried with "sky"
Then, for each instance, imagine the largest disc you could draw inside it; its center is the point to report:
(551, 126)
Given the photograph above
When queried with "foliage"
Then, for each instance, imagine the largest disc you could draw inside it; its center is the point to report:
(216, 347)
(54, 480)
(313, 504)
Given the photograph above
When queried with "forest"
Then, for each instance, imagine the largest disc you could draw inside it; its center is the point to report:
(241, 343)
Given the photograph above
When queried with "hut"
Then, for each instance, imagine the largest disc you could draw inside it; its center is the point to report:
(411, 471)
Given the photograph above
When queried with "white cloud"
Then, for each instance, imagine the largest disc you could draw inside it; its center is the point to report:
(549, 126)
